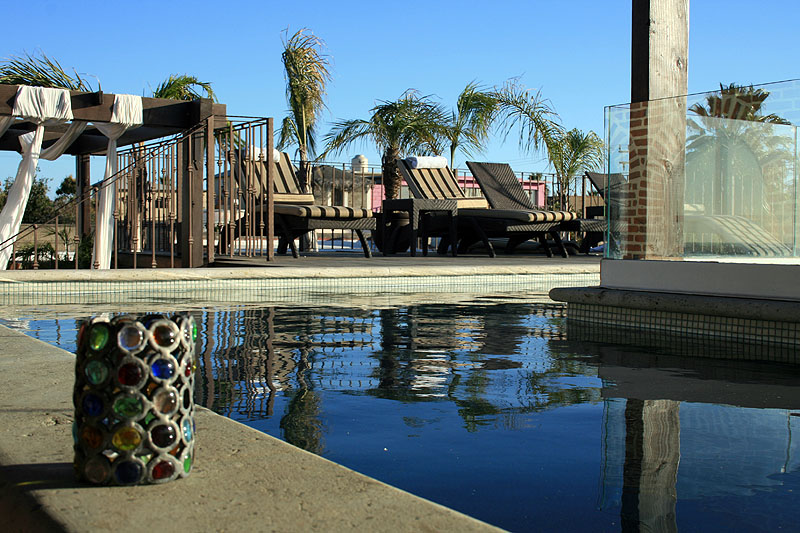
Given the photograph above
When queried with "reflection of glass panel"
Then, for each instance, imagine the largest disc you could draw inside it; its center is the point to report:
(734, 451)
(613, 453)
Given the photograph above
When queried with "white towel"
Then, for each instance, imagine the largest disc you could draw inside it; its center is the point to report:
(434, 161)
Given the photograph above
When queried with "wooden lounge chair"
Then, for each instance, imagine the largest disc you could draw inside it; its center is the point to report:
(297, 214)
(477, 221)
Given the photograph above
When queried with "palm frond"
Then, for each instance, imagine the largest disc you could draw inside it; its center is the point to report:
(40, 72)
(525, 110)
(183, 87)
(306, 70)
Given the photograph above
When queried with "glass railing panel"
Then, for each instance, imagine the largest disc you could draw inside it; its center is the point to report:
(705, 177)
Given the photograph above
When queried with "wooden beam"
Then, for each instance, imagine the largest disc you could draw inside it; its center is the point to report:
(659, 49)
(652, 207)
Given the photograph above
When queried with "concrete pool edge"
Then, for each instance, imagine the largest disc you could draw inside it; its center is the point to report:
(243, 479)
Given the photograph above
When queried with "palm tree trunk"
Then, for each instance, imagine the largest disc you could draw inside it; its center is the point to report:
(391, 175)
(302, 174)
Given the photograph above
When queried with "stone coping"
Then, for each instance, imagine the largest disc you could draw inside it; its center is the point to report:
(723, 306)
(306, 271)
(243, 479)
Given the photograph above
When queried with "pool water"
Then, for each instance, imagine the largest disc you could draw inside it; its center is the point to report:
(488, 408)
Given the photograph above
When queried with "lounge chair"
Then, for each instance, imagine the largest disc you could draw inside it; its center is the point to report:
(296, 213)
(477, 221)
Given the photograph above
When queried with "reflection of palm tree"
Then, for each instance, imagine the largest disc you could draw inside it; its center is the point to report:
(730, 135)
(571, 153)
(301, 424)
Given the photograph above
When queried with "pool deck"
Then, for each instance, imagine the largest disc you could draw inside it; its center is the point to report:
(243, 479)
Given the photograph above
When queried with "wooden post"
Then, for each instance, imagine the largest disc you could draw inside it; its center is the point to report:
(83, 189)
(210, 189)
(191, 168)
(653, 206)
(269, 191)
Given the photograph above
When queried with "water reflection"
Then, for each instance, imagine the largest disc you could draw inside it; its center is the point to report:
(667, 440)
(503, 412)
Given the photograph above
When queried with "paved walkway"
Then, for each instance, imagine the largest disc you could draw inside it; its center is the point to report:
(243, 480)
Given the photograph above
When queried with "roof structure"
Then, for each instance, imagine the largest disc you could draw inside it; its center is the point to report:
(162, 117)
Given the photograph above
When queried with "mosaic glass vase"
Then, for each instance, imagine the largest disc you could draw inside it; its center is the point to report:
(133, 397)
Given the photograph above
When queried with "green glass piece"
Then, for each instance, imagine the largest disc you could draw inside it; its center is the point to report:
(149, 417)
(187, 464)
(128, 406)
(98, 337)
(96, 372)
(194, 331)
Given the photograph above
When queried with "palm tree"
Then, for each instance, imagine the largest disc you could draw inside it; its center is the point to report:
(470, 121)
(525, 110)
(410, 124)
(39, 72)
(306, 73)
(571, 153)
(183, 87)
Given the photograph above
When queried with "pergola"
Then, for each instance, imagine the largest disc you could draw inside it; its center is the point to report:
(160, 119)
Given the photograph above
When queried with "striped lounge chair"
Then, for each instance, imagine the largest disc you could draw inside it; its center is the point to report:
(477, 221)
(296, 213)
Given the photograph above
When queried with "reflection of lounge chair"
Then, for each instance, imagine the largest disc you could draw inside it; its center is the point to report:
(477, 221)
(296, 213)
(730, 235)
(704, 234)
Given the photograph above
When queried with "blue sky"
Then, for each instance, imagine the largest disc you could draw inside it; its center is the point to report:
(577, 52)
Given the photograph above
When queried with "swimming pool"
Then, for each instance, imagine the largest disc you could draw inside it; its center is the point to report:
(487, 407)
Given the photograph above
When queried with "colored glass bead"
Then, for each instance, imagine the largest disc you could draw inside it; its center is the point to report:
(187, 399)
(163, 436)
(91, 437)
(163, 470)
(96, 372)
(97, 469)
(128, 406)
(126, 439)
(98, 336)
(92, 405)
(165, 401)
(164, 335)
(194, 331)
(163, 369)
(152, 386)
(130, 338)
(187, 430)
(128, 472)
(130, 374)
(149, 417)
(187, 464)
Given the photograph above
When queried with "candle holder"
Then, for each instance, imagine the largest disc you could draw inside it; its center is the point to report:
(133, 397)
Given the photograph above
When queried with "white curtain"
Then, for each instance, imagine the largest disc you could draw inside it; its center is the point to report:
(127, 114)
(42, 106)
(5, 122)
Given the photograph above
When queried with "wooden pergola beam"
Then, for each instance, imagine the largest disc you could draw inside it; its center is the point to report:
(162, 117)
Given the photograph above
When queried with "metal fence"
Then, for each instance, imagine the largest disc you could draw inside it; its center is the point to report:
(218, 169)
